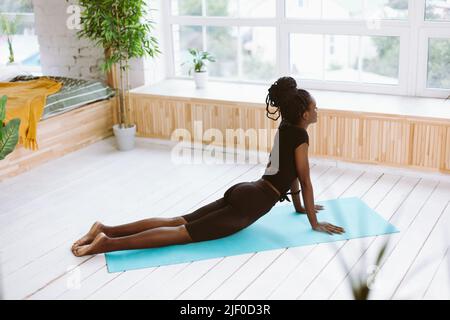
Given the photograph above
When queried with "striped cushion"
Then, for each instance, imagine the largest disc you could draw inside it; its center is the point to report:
(75, 93)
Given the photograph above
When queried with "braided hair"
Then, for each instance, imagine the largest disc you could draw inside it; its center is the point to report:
(290, 103)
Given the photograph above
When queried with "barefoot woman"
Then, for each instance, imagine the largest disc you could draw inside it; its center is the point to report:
(243, 203)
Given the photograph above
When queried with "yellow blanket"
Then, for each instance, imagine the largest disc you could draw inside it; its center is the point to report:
(26, 101)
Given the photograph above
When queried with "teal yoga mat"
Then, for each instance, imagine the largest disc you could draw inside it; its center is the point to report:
(282, 227)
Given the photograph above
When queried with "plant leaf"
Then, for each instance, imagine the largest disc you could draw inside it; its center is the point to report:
(10, 137)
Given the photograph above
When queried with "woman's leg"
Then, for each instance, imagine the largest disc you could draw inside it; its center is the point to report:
(157, 237)
(128, 229)
(146, 224)
(204, 223)
(142, 225)
(205, 210)
(151, 223)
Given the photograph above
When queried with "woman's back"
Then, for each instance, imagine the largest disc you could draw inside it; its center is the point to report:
(281, 171)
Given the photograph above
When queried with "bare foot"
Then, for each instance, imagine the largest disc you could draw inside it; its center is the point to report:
(96, 228)
(97, 246)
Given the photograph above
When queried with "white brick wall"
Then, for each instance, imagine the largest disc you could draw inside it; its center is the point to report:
(63, 54)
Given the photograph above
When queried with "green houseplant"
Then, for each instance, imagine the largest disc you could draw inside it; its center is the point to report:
(9, 133)
(122, 29)
(198, 63)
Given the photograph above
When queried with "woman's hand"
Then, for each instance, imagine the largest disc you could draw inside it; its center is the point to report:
(303, 210)
(328, 228)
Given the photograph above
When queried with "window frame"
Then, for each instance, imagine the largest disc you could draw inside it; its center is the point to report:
(425, 30)
(413, 32)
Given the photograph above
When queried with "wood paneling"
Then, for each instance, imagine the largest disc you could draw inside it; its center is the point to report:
(60, 135)
(411, 142)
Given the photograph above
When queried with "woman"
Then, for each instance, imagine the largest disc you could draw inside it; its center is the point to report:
(244, 202)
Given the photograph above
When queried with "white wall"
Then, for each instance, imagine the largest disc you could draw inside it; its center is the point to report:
(63, 54)
(154, 69)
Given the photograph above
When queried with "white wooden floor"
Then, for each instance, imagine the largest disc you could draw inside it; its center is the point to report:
(44, 210)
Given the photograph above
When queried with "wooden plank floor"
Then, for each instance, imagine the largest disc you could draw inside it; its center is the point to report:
(43, 211)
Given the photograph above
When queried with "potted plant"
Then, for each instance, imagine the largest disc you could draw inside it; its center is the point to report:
(198, 64)
(123, 31)
(9, 28)
(9, 133)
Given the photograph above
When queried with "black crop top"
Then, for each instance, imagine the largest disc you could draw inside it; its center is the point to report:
(282, 170)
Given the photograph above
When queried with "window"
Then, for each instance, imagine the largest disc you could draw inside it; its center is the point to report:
(18, 42)
(437, 10)
(347, 9)
(243, 52)
(438, 63)
(380, 46)
(368, 59)
(434, 49)
(225, 8)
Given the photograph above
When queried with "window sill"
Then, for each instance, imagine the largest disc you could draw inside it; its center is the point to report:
(8, 72)
(380, 104)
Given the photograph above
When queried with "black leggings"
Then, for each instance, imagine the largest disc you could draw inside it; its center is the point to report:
(241, 205)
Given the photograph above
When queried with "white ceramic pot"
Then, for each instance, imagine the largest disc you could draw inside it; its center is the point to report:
(201, 79)
(125, 137)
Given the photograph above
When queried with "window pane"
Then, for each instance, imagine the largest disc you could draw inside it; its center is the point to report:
(341, 58)
(439, 64)
(222, 8)
(387, 9)
(342, 9)
(226, 8)
(257, 8)
(337, 58)
(380, 56)
(222, 43)
(187, 7)
(259, 53)
(17, 20)
(185, 37)
(306, 53)
(437, 10)
(309, 9)
(14, 6)
(347, 9)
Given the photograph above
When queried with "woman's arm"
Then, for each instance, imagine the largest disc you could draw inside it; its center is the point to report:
(295, 187)
(299, 208)
(302, 167)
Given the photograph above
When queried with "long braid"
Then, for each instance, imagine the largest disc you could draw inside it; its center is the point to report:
(289, 101)
(270, 102)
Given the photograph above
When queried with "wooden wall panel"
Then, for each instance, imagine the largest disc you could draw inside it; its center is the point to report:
(60, 135)
(399, 141)
(446, 151)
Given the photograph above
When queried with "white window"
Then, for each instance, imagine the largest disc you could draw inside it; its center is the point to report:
(243, 51)
(382, 46)
(19, 46)
(437, 10)
(358, 59)
(434, 48)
